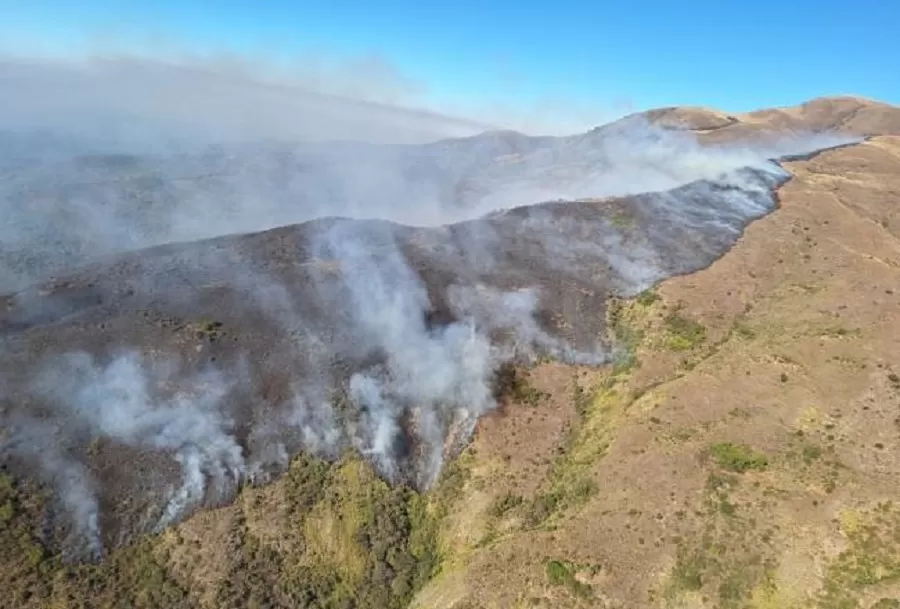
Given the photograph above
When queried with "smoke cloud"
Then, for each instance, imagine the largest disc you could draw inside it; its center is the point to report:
(32, 440)
(435, 371)
(399, 272)
(116, 401)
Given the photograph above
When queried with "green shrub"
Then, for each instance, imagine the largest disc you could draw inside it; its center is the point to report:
(558, 574)
(512, 383)
(583, 489)
(737, 457)
(7, 511)
(684, 333)
(542, 507)
(504, 504)
(811, 452)
(648, 297)
(562, 574)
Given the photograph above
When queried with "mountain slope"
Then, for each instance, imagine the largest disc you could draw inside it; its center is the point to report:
(737, 451)
(66, 211)
(748, 458)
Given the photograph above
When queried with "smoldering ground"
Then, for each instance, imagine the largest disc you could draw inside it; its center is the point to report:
(216, 312)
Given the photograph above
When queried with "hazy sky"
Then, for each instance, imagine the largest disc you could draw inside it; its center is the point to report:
(588, 59)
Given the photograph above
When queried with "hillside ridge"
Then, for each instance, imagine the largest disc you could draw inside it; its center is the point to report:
(748, 407)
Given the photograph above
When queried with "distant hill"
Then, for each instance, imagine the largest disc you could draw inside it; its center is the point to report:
(850, 115)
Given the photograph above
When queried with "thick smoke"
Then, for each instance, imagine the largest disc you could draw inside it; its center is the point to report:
(439, 372)
(33, 441)
(425, 269)
(144, 104)
(122, 401)
(61, 214)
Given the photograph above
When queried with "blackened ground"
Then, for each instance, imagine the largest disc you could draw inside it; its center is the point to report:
(261, 307)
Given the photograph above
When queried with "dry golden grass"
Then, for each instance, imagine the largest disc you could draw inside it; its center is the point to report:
(796, 363)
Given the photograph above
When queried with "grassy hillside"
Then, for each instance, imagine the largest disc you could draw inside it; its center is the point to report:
(327, 535)
(742, 451)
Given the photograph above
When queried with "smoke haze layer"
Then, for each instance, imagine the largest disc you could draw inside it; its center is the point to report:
(64, 212)
(333, 334)
(179, 324)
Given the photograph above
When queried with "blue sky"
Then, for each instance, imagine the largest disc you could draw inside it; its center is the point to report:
(734, 56)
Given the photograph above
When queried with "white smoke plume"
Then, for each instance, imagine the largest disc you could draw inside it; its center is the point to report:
(513, 312)
(311, 416)
(157, 104)
(69, 198)
(436, 371)
(195, 157)
(119, 401)
(34, 440)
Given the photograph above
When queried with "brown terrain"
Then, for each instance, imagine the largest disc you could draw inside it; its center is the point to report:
(793, 360)
(740, 450)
